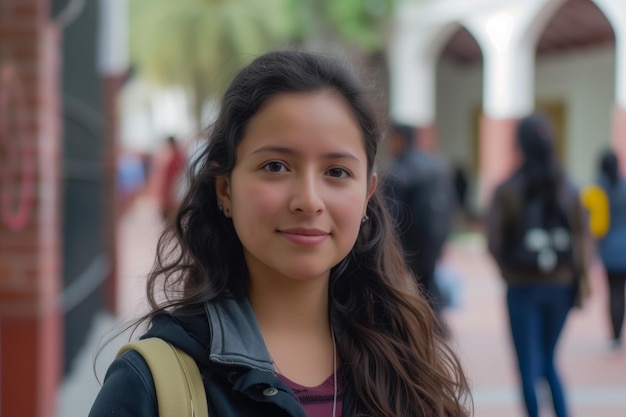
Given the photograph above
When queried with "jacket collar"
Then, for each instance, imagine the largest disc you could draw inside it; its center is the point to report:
(235, 335)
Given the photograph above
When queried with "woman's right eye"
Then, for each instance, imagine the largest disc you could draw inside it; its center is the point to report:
(275, 166)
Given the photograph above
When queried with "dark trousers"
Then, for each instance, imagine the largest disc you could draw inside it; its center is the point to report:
(617, 297)
(424, 273)
(537, 315)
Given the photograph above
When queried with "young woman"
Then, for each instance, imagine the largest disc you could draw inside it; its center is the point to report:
(282, 277)
(538, 298)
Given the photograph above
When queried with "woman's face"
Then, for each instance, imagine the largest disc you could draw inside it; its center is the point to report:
(299, 188)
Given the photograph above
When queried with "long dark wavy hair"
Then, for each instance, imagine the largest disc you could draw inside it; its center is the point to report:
(395, 365)
(540, 171)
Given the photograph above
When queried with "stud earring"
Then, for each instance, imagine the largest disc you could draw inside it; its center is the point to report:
(364, 219)
(220, 208)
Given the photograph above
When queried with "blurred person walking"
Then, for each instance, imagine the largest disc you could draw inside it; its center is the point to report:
(611, 240)
(536, 231)
(131, 179)
(461, 187)
(172, 169)
(421, 198)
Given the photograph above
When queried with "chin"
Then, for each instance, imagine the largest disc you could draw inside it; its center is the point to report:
(302, 273)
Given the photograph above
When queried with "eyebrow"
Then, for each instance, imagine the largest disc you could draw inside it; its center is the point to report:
(289, 151)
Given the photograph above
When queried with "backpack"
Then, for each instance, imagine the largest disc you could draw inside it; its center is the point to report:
(595, 200)
(542, 240)
(177, 379)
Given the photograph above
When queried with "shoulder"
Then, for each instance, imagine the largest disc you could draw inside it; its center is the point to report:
(128, 389)
(423, 166)
(186, 329)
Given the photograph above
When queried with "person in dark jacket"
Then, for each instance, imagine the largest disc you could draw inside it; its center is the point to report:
(281, 275)
(539, 299)
(612, 246)
(420, 194)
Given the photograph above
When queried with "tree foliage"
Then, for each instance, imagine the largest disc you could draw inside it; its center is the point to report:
(361, 22)
(200, 44)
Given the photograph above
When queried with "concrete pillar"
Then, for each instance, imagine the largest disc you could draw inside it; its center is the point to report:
(413, 59)
(508, 89)
(30, 246)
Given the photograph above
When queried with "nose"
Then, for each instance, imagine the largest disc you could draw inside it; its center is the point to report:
(306, 195)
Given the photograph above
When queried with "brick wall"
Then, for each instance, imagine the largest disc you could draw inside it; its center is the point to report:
(30, 324)
(497, 155)
(619, 136)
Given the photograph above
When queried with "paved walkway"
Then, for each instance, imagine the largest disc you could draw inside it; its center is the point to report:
(594, 376)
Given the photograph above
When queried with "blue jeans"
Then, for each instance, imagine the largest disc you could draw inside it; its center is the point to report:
(537, 314)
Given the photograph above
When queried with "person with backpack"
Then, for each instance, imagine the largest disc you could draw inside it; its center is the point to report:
(420, 194)
(280, 274)
(536, 232)
(611, 244)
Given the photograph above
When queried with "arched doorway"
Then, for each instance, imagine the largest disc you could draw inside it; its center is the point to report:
(459, 105)
(575, 83)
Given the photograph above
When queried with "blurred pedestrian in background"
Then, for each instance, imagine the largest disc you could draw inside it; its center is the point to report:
(607, 205)
(460, 186)
(536, 230)
(173, 167)
(421, 197)
(131, 178)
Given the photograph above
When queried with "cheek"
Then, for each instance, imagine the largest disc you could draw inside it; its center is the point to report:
(253, 200)
(348, 210)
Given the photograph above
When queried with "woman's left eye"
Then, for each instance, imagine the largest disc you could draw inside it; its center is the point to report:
(274, 166)
(338, 173)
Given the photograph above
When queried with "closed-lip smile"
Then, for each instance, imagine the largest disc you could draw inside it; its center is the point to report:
(305, 236)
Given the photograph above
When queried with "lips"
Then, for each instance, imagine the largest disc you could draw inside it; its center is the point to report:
(305, 236)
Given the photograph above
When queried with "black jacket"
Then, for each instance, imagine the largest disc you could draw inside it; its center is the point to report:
(236, 367)
(420, 196)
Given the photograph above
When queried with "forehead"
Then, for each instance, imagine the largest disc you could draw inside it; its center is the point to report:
(306, 120)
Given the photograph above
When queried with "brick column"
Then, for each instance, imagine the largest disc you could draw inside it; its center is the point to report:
(30, 321)
(619, 136)
(497, 156)
(112, 85)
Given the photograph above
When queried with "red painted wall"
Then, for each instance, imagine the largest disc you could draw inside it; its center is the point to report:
(30, 324)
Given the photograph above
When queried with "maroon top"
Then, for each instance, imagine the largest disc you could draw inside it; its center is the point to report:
(318, 401)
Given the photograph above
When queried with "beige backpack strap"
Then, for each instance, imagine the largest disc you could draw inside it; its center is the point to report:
(177, 380)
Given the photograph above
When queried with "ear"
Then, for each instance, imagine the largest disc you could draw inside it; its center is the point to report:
(222, 191)
(371, 189)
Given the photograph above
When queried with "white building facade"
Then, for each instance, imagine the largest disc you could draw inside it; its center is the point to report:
(465, 71)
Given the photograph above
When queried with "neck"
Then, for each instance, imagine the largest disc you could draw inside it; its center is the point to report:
(294, 321)
(291, 307)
